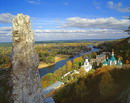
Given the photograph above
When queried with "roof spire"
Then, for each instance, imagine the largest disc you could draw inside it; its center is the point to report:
(86, 57)
(112, 52)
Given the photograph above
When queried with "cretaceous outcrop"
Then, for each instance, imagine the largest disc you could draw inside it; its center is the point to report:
(25, 79)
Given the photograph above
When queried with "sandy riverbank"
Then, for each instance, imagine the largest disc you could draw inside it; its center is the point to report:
(57, 58)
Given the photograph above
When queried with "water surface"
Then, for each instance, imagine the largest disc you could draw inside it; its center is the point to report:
(52, 68)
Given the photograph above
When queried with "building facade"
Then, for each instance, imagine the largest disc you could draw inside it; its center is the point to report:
(99, 58)
(87, 66)
(112, 61)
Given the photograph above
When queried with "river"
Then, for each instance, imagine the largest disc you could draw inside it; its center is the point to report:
(52, 68)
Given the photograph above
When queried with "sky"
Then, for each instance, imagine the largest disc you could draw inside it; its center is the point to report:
(67, 19)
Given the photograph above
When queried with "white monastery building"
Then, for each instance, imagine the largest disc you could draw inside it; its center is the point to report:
(87, 66)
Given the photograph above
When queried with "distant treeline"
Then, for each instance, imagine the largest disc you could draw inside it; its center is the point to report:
(71, 41)
(46, 52)
(5, 44)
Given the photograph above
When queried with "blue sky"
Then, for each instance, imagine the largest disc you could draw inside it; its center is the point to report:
(68, 19)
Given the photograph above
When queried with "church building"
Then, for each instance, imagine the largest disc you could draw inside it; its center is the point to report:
(87, 66)
(112, 61)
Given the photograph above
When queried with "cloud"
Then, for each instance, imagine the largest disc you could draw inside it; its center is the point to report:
(78, 31)
(100, 23)
(5, 31)
(35, 2)
(6, 28)
(76, 28)
(84, 28)
(66, 34)
(119, 7)
(6, 18)
(78, 34)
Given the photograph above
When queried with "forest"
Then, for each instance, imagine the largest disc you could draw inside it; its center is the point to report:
(5, 57)
(46, 51)
(51, 78)
(104, 85)
(121, 48)
(70, 66)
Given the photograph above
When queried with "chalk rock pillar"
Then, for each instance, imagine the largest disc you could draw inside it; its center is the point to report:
(26, 87)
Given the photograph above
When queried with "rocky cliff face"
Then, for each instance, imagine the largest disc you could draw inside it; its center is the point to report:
(25, 78)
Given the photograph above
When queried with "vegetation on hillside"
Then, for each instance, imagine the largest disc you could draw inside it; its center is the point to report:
(70, 66)
(106, 85)
(5, 57)
(121, 48)
(46, 52)
(51, 78)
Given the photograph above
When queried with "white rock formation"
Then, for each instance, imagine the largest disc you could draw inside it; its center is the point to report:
(26, 87)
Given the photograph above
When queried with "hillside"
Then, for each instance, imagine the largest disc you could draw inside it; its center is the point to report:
(121, 48)
(105, 85)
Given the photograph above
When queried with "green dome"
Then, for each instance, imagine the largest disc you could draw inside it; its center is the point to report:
(112, 58)
(105, 62)
(119, 62)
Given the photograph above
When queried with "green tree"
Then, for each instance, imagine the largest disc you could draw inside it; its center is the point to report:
(68, 65)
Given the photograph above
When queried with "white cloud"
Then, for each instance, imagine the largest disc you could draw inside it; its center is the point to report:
(78, 31)
(84, 28)
(100, 23)
(6, 17)
(78, 28)
(35, 2)
(117, 6)
(8, 28)
(5, 31)
(78, 34)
